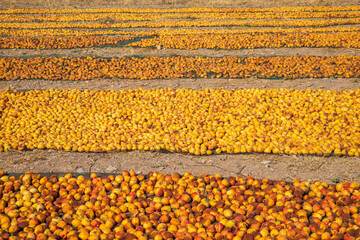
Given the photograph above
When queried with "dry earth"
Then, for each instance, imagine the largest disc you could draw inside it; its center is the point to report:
(284, 167)
(143, 52)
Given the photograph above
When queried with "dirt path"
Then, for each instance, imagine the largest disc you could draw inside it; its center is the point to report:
(118, 84)
(142, 52)
(284, 167)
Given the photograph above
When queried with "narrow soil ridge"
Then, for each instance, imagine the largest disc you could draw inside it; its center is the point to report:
(281, 167)
(110, 52)
(196, 83)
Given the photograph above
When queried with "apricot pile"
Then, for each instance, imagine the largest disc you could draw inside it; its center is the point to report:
(198, 31)
(249, 41)
(189, 121)
(166, 31)
(60, 42)
(161, 206)
(84, 68)
(56, 32)
(186, 23)
(161, 16)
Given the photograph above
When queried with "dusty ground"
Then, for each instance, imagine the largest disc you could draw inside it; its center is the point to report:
(5, 4)
(142, 52)
(330, 169)
(284, 167)
(118, 84)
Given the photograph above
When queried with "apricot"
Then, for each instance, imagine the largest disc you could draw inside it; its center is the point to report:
(134, 103)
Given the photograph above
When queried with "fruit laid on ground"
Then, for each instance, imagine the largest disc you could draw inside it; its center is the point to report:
(84, 68)
(60, 42)
(160, 16)
(162, 206)
(188, 23)
(167, 31)
(256, 40)
(190, 121)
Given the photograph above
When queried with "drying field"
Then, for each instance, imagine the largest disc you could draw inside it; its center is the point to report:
(260, 104)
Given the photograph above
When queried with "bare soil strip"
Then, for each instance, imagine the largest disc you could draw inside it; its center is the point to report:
(199, 84)
(282, 167)
(110, 52)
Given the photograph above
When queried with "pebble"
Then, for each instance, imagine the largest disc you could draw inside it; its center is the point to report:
(266, 162)
(80, 170)
(111, 168)
(203, 161)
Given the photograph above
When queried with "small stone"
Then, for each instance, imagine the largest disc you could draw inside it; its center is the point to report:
(80, 170)
(271, 169)
(266, 162)
(138, 172)
(37, 163)
(158, 47)
(202, 161)
(111, 168)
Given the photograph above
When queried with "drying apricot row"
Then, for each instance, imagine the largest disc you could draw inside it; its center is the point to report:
(69, 68)
(249, 41)
(60, 42)
(160, 206)
(71, 32)
(162, 16)
(189, 121)
(187, 23)
(218, 41)
(169, 31)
